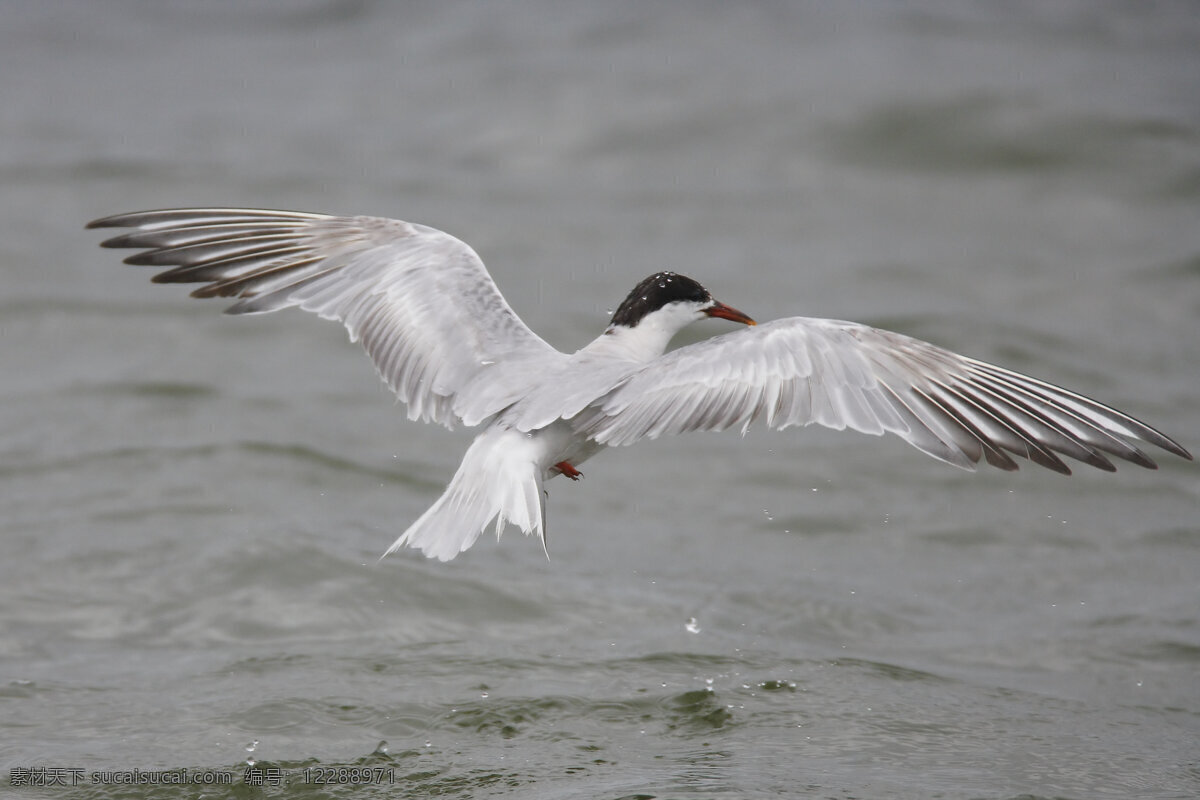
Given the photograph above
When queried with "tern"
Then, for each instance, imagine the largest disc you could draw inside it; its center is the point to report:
(444, 339)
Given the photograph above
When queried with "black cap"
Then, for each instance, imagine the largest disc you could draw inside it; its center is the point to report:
(654, 292)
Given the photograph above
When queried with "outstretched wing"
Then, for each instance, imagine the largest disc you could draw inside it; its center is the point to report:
(800, 371)
(420, 301)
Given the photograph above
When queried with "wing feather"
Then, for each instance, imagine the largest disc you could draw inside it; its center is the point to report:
(801, 371)
(420, 301)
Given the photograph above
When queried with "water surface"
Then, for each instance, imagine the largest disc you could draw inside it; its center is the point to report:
(194, 505)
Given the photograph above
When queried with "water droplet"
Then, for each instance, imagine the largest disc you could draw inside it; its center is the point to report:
(692, 626)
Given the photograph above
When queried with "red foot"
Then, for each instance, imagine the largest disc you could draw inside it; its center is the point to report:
(568, 469)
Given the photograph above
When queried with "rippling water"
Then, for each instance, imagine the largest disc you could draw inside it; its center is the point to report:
(194, 505)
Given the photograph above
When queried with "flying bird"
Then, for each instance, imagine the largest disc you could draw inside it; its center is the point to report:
(448, 344)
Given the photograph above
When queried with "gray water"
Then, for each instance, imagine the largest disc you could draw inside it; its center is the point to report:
(193, 505)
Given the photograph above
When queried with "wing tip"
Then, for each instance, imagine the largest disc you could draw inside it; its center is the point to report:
(1175, 448)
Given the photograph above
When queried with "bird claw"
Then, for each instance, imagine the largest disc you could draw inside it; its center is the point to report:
(568, 469)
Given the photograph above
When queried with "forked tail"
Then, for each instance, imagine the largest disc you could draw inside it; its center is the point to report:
(499, 478)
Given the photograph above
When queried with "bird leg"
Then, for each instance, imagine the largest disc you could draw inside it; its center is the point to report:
(568, 469)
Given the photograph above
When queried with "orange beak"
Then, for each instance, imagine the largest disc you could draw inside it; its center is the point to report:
(723, 311)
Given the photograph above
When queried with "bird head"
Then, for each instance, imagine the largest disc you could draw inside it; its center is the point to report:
(671, 301)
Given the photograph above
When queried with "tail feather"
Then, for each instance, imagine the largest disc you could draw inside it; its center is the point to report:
(499, 479)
